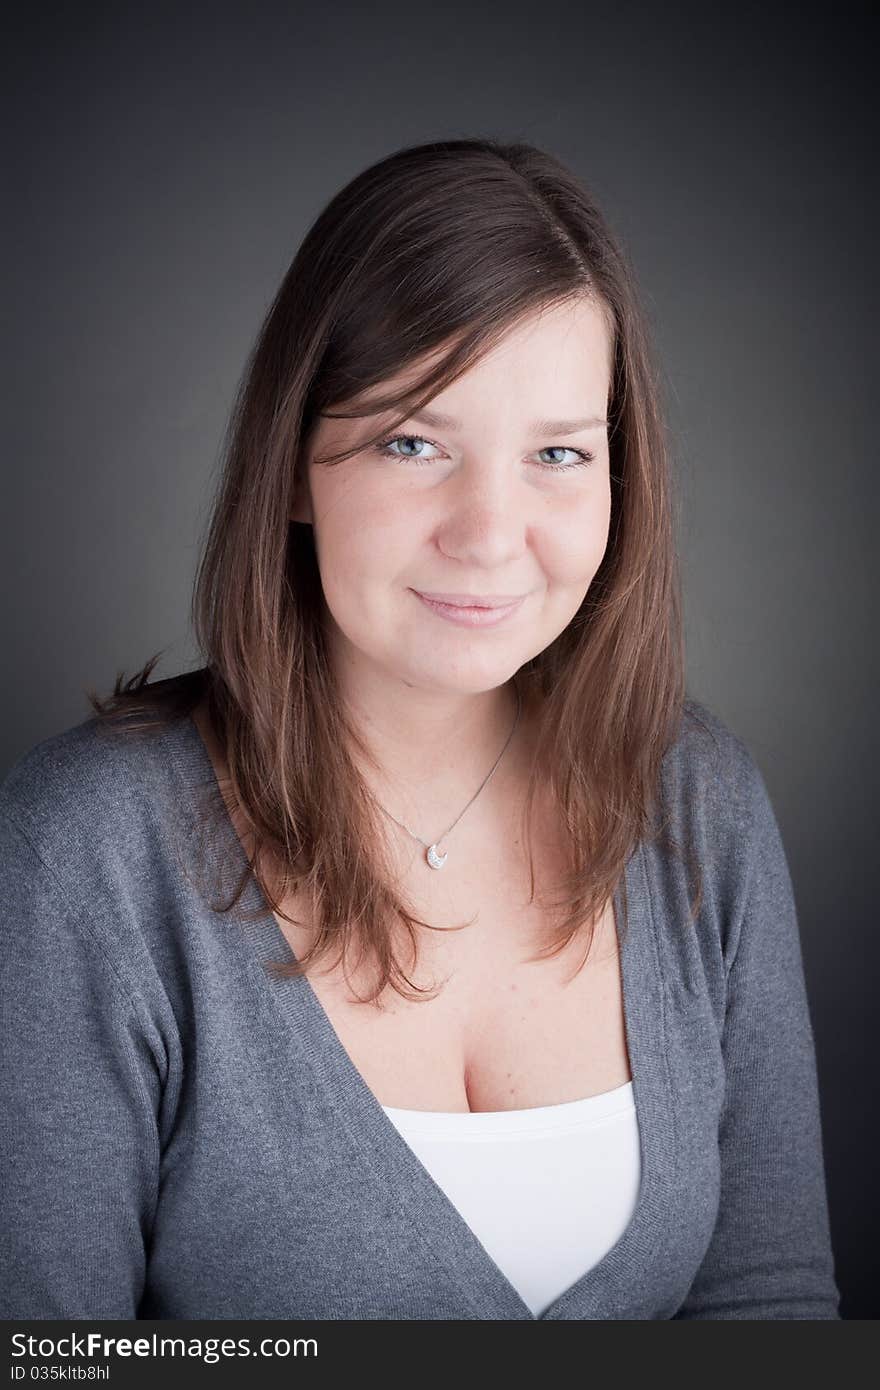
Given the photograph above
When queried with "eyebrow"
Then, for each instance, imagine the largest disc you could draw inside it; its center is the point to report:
(447, 422)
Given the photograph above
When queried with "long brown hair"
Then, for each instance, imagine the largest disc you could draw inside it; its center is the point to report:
(441, 246)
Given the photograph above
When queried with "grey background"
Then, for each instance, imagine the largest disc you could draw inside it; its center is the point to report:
(163, 164)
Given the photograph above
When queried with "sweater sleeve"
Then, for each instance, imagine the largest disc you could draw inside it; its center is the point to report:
(770, 1255)
(79, 1090)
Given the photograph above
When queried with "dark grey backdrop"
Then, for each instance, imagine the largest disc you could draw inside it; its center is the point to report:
(164, 164)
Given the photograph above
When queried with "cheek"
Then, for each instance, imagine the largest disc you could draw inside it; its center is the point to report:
(354, 521)
(362, 546)
(572, 548)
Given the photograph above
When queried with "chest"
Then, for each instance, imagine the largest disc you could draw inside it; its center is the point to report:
(504, 1032)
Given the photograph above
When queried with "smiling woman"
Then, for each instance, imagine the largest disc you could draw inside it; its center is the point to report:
(510, 1020)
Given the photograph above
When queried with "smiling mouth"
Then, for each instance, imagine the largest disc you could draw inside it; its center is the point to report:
(471, 601)
(470, 615)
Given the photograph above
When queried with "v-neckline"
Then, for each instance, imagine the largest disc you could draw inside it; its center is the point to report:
(606, 1288)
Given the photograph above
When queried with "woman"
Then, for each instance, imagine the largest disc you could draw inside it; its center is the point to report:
(426, 953)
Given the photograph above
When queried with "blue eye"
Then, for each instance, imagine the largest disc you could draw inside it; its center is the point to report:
(385, 447)
(582, 456)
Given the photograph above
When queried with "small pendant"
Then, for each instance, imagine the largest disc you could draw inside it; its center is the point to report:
(436, 860)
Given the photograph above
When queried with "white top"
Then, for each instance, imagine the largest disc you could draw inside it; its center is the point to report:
(547, 1190)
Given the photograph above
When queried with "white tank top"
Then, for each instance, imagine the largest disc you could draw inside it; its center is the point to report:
(547, 1190)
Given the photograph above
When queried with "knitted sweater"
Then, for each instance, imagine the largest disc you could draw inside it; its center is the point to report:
(182, 1136)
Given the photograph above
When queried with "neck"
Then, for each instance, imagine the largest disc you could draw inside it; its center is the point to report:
(432, 752)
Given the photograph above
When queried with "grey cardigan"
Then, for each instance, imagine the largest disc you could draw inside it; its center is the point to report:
(184, 1137)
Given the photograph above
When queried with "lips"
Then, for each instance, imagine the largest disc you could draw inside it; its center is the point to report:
(470, 615)
(471, 600)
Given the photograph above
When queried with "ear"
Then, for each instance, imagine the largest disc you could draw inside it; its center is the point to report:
(302, 503)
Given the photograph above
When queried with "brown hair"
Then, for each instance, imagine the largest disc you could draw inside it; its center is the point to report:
(438, 246)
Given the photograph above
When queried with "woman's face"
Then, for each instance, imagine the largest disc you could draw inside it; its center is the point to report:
(479, 504)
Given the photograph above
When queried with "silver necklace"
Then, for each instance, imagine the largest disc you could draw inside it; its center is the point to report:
(433, 855)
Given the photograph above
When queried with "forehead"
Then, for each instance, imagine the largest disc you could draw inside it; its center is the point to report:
(561, 351)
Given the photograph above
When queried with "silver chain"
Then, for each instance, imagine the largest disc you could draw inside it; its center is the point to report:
(433, 856)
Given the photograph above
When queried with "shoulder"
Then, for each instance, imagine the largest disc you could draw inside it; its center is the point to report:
(712, 785)
(88, 786)
(717, 812)
(91, 833)
(707, 752)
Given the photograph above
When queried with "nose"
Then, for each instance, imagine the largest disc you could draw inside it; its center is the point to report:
(484, 519)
